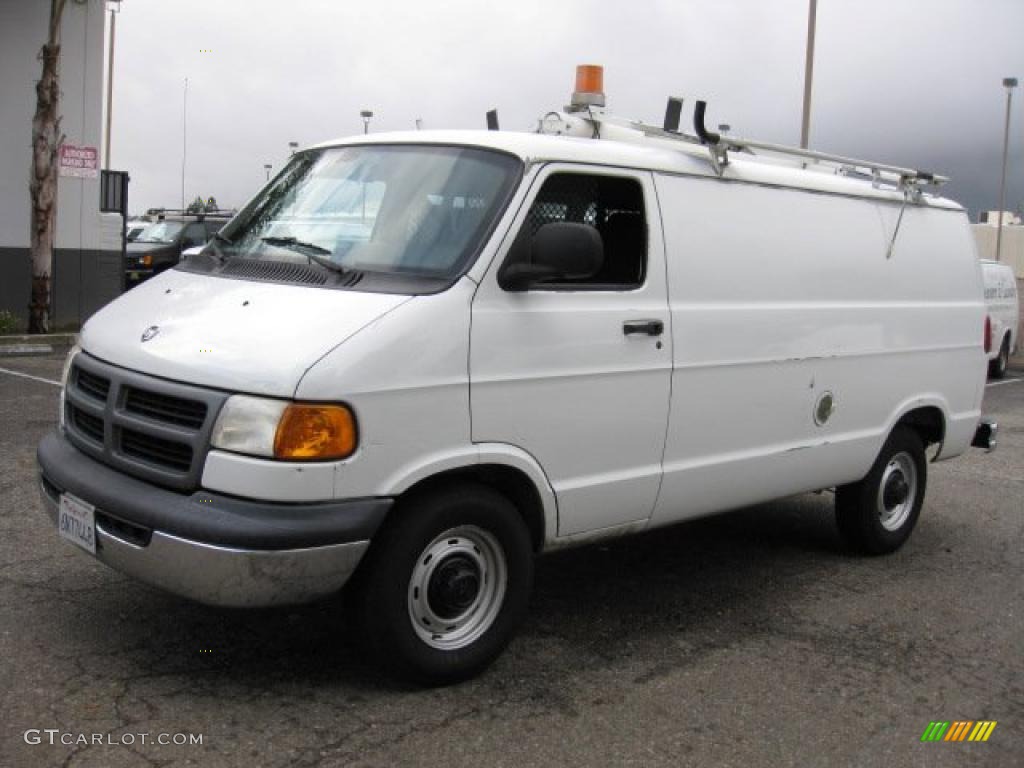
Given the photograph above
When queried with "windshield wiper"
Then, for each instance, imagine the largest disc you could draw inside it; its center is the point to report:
(311, 251)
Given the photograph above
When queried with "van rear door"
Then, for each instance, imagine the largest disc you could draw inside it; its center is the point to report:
(577, 373)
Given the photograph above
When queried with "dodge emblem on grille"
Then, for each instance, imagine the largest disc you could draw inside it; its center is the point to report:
(150, 332)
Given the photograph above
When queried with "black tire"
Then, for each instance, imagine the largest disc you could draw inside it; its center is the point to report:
(872, 520)
(481, 527)
(997, 368)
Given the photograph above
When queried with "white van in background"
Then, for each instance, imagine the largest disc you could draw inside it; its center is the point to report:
(1003, 312)
(414, 361)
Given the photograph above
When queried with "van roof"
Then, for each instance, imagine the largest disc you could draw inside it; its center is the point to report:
(652, 154)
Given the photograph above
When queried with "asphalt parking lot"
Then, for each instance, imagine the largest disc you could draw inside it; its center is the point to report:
(750, 639)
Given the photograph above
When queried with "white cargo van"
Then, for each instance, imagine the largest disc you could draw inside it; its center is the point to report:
(1003, 314)
(416, 360)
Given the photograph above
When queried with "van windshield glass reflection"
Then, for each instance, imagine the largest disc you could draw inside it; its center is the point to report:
(161, 232)
(419, 210)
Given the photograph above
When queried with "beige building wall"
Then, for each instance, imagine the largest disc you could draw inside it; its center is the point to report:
(1011, 249)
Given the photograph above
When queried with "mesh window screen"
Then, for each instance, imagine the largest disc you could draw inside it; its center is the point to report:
(613, 205)
(565, 197)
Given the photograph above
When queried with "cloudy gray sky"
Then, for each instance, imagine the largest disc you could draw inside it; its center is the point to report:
(912, 82)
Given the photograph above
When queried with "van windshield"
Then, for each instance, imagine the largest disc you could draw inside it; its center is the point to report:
(160, 232)
(410, 209)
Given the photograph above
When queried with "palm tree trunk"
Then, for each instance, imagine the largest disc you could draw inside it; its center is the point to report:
(46, 140)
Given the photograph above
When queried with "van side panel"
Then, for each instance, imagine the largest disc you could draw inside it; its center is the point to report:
(1003, 304)
(780, 296)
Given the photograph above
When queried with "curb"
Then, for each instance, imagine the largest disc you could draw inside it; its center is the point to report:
(36, 344)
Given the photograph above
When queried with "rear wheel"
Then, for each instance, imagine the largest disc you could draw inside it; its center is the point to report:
(445, 585)
(877, 515)
(997, 368)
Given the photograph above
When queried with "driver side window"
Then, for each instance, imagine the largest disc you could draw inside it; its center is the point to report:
(614, 206)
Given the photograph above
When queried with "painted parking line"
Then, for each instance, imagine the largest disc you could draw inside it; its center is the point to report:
(1004, 381)
(29, 376)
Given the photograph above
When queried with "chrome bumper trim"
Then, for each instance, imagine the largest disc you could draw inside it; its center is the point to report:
(226, 576)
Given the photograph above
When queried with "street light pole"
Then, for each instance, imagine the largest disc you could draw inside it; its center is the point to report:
(366, 115)
(805, 126)
(184, 140)
(293, 146)
(110, 85)
(267, 167)
(1009, 83)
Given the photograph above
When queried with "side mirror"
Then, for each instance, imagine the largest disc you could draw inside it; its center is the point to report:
(559, 250)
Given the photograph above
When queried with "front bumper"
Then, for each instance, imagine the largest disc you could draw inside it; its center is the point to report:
(212, 548)
(135, 275)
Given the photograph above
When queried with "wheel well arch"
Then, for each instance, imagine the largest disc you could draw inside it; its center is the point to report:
(928, 421)
(509, 481)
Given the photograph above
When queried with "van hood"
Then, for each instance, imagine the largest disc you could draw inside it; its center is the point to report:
(229, 334)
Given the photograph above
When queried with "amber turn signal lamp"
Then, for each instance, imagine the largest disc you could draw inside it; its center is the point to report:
(311, 431)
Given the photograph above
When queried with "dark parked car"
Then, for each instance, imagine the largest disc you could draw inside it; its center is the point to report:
(134, 228)
(159, 246)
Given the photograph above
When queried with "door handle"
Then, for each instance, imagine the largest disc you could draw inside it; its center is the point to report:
(648, 327)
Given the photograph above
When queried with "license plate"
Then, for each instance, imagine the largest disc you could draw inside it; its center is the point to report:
(76, 522)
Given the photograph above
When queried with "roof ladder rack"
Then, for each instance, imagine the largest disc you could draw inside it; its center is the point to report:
(908, 180)
(586, 121)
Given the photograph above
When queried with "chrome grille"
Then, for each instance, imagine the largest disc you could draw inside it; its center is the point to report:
(154, 429)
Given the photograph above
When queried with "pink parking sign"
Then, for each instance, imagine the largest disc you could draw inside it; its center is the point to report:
(82, 162)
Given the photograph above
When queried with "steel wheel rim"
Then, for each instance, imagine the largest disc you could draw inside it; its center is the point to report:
(897, 491)
(445, 609)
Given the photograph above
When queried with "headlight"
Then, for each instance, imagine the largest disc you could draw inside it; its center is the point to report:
(281, 430)
(64, 374)
(248, 425)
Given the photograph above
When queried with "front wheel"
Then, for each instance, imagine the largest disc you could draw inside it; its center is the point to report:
(877, 515)
(445, 585)
(997, 368)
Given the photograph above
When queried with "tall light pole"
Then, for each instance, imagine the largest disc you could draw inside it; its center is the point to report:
(293, 147)
(366, 115)
(267, 167)
(110, 85)
(1009, 83)
(805, 125)
(184, 140)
